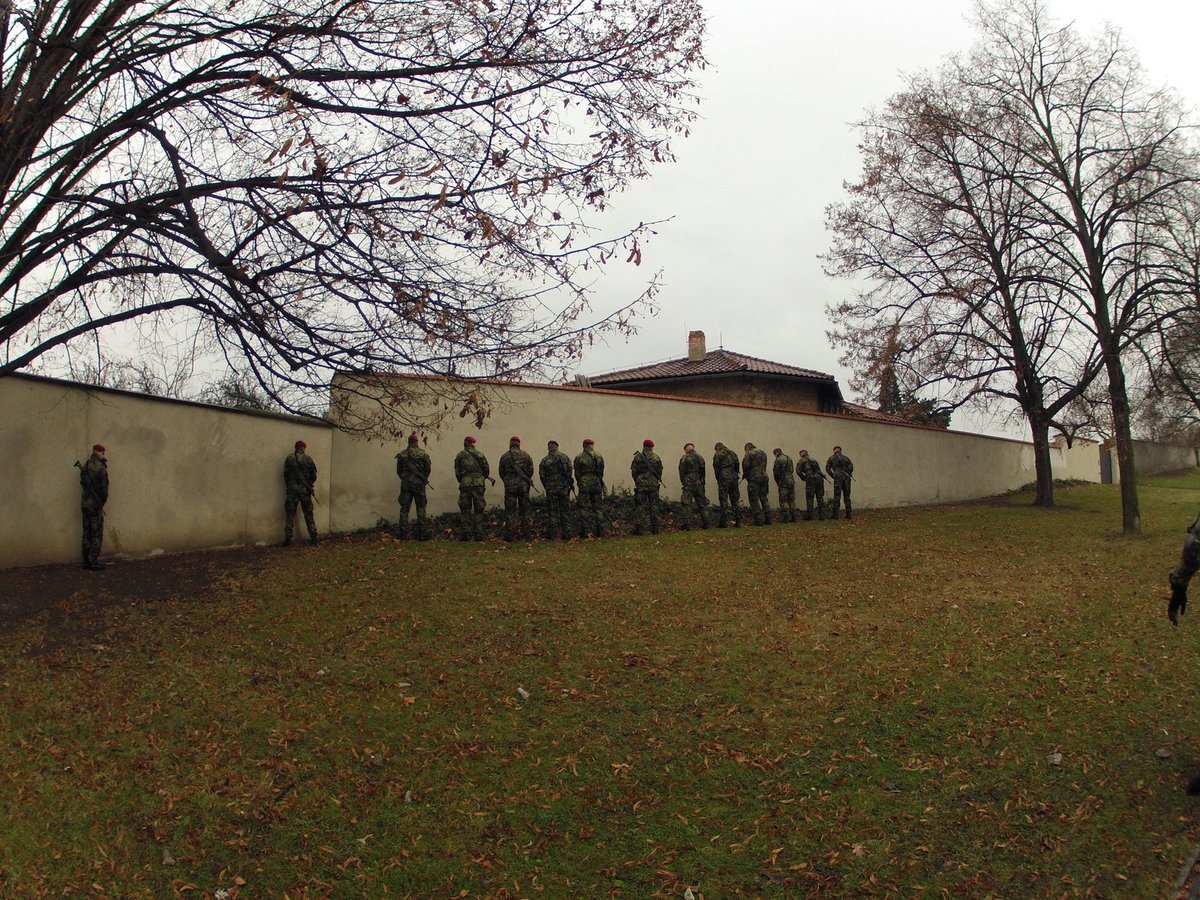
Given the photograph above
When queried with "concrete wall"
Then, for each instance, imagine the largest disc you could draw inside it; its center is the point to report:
(183, 475)
(894, 465)
(1150, 458)
(188, 475)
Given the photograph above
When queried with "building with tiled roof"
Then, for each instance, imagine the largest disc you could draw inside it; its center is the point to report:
(723, 375)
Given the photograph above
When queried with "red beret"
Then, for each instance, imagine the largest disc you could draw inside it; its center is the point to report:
(412, 438)
(514, 440)
(587, 442)
(97, 448)
(468, 440)
(647, 443)
(301, 444)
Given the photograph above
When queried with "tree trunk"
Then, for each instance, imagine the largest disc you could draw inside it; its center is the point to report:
(1044, 478)
(1118, 397)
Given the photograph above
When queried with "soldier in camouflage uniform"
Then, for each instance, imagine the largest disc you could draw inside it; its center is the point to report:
(472, 471)
(725, 469)
(841, 473)
(516, 471)
(413, 466)
(93, 482)
(589, 477)
(555, 473)
(754, 470)
(785, 483)
(810, 473)
(1189, 561)
(646, 470)
(299, 481)
(692, 477)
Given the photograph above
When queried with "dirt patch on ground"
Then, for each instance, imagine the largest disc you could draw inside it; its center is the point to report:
(70, 601)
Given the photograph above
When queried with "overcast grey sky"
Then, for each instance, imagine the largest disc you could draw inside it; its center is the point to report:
(775, 144)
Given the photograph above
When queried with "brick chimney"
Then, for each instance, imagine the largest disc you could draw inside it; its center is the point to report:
(696, 351)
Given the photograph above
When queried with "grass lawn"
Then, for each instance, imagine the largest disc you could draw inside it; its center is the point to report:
(964, 700)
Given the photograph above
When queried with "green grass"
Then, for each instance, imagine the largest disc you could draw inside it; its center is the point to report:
(811, 709)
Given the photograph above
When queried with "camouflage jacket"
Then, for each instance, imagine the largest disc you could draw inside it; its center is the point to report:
(809, 469)
(589, 470)
(692, 470)
(299, 473)
(516, 470)
(93, 478)
(555, 472)
(413, 466)
(754, 465)
(783, 471)
(471, 468)
(839, 467)
(725, 466)
(646, 470)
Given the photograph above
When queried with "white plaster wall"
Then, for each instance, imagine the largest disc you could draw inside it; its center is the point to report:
(894, 465)
(182, 475)
(1151, 458)
(1081, 462)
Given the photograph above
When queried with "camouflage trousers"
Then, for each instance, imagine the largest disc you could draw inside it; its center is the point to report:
(814, 490)
(759, 501)
(558, 517)
(841, 490)
(516, 510)
(93, 533)
(470, 513)
(694, 501)
(730, 498)
(588, 505)
(645, 510)
(304, 501)
(409, 495)
(787, 502)
(1189, 561)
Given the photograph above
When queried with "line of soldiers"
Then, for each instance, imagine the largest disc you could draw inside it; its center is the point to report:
(584, 476)
(560, 477)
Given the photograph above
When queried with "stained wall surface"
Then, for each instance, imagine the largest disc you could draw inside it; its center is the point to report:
(182, 475)
(894, 465)
(188, 475)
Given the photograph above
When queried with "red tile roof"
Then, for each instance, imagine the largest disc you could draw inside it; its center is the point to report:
(716, 362)
(874, 415)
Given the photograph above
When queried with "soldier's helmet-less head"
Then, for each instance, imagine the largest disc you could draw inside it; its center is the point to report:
(688, 448)
(776, 451)
(749, 446)
(837, 448)
(803, 454)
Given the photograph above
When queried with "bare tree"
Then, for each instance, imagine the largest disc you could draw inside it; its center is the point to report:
(961, 299)
(311, 186)
(1073, 171)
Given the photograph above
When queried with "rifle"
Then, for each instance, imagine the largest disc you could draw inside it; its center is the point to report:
(411, 466)
(526, 478)
(95, 497)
